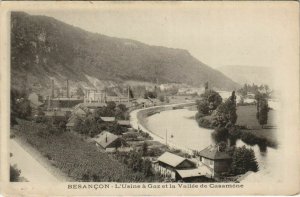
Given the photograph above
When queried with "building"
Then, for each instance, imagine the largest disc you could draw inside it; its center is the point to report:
(200, 174)
(168, 164)
(63, 102)
(108, 119)
(55, 113)
(124, 123)
(218, 161)
(80, 111)
(109, 142)
(71, 122)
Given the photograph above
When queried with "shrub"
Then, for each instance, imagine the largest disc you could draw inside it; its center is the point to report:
(14, 174)
(243, 160)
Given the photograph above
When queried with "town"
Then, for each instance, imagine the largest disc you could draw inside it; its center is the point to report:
(102, 135)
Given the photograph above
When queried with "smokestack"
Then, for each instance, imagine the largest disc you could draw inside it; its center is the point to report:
(94, 95)
(68, 93)
(52, 87)
(128, 94)
(48, 98)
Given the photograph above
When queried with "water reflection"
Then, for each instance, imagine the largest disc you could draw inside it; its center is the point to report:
(187, 133)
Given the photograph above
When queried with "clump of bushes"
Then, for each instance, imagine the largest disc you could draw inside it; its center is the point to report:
(243, 160)
(14, 174)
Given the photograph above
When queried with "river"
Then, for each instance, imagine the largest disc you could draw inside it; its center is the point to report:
(180, 127)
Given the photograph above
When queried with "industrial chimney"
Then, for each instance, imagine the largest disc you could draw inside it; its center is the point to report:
(52, 88)
(68, 91)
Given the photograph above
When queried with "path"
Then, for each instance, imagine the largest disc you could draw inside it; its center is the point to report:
(30, 168)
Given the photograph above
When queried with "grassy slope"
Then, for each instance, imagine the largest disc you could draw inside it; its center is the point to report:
(74, 156)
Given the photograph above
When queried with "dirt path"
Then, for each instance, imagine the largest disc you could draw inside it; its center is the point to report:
(34, 167)
(30, 168)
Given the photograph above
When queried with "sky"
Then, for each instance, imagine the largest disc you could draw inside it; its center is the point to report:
(217, 34)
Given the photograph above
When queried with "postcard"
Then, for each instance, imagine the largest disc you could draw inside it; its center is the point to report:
(149, 98)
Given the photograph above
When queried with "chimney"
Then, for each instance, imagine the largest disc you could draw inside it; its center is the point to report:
(95, 95)
(52, 87)
(48, 98)
(128, 94)
(68, 93)
(106, 138)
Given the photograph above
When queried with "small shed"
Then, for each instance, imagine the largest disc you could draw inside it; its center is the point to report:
(124, 123)
(108, 119)
(168, 163)
(200, 174)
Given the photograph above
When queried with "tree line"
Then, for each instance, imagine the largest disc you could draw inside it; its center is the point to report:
(223, 118)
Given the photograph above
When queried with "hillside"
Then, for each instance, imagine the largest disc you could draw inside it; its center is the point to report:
(249, 74)
(43, 48)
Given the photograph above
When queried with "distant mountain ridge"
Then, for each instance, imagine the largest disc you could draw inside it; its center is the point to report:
(249, 74)
(43, 48)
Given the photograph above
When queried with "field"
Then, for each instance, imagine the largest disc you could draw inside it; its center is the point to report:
(75, 157)
(247, 117)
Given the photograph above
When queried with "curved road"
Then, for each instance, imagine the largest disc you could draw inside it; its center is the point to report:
(134, 122)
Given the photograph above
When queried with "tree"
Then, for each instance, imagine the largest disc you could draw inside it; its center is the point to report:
(161, 98)
(203, 107)
(263, 112)
(220, 134)
(234, 135)
(151, 95)
(213, 98)
(121, 112)
(145, 149)
(79, 92)
(147, 168)
(14, 174)
(243, 160)
(19, 105)
(226, 113)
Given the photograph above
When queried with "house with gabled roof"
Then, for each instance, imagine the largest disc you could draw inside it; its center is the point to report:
(109, 142)
(216, 159)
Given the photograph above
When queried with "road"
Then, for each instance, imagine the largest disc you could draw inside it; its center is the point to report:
(30, 168)
(136, 124)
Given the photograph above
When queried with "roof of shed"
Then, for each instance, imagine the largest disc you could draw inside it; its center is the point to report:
(124, 122)
(108, 119)
(171, 159)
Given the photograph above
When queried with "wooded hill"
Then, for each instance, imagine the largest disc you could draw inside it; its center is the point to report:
(43, 48)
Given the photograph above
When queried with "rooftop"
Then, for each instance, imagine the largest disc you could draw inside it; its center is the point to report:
(71, 121)
(124, 122)
(66, 99)
(212, 152)
(108, 119)
(171, 159)
(105, 138)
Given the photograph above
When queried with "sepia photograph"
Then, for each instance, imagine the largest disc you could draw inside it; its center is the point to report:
(165, 93)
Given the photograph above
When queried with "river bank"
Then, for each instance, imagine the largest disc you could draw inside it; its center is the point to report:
(189, 135)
